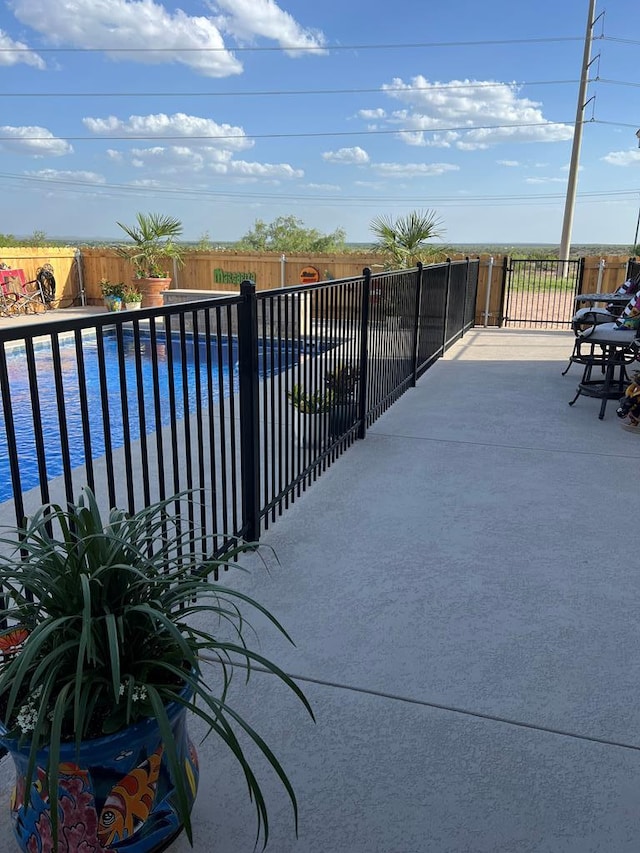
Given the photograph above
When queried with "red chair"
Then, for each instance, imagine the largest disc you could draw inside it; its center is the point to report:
(26, 299)
(11, 281)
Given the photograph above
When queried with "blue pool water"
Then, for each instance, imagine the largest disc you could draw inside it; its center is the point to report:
(224, 379)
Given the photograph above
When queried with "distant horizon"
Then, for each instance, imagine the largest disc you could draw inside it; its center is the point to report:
(75, 240)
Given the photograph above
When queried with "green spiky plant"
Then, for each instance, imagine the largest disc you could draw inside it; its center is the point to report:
(404, 240)
(339, 388)
(154, 238)
(107, 609)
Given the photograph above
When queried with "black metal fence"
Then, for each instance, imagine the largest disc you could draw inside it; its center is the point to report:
(243, 400)
(540, 293)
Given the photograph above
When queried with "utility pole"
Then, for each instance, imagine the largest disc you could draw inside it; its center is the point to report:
(567, 224)
(635, 239)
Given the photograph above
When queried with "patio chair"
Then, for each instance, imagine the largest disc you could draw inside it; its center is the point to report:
(585, 319)
(8, 299)
(37, 295)
(611, 349)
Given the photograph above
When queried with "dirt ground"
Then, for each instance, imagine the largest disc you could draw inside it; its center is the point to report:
(550, 309)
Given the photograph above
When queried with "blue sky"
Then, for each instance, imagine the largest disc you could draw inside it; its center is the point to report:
(221, 112)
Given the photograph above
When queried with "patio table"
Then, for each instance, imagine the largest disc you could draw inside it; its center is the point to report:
(614, 298)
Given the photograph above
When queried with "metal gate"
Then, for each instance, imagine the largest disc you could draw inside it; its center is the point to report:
(538, 294)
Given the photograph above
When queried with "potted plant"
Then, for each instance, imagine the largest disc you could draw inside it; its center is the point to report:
(100, 664)
(341, 384)
(154, 246)
(112, 293)
(336, 400)
(391, 311)
(309, 425)
(132, 299)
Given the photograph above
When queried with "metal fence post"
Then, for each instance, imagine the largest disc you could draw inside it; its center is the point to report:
(466, 294)
(487, 299)
(416, 324)
(505, 272)
(77, 258)
(581, 276)
(446, 307)
(364, 352)
(249, 411)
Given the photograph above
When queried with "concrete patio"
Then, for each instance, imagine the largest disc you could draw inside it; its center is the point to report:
(462, 588)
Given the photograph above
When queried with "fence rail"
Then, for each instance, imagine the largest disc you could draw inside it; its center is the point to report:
(142, 405)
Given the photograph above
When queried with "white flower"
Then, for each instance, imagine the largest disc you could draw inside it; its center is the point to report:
(139, 693)
(27, 716)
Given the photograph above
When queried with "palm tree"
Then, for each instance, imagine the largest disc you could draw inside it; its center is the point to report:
(153, 238)
(404, 239)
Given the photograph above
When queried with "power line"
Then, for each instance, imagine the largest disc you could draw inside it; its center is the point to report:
(282, 48)
(279, 92)
(284, 92)
(619, 40)
(614, 82)
(310, 134)
(307, 134)
(73, 184)
(613, 123)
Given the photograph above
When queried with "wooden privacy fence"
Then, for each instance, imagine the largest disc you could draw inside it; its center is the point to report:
(223, 271)
(62, 259)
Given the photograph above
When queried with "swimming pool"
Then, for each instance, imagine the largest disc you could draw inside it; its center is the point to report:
(223, 381)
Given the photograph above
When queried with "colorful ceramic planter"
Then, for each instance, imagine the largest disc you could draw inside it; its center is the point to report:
(116, 794)
(113, 303)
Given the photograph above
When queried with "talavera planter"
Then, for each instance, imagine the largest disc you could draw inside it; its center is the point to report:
(116, 794)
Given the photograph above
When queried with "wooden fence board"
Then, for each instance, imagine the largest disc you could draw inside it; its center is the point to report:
(61, 259)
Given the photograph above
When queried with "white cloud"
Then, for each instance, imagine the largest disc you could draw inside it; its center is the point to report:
(432, 140)
(246, 19)
(121, 27)
(510, 163)
(355, 155)
(178, 158)
(470, 103)
(69, 175)
(622, 158)
(192, 128)
(22, 53)
(145, 182)
(21, 141)
(369, 115)
(263, 170)
(404, 170)
(333, 188)
(182, 159)
(131, 24)
(545, 180)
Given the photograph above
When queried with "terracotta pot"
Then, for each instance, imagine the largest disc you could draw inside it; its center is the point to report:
(115, 793)
(151, 288)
